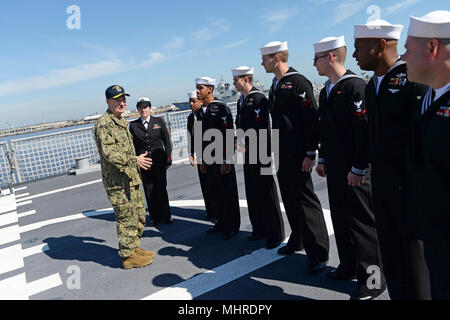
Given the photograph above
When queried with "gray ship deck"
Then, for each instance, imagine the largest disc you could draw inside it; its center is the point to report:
(55, 229)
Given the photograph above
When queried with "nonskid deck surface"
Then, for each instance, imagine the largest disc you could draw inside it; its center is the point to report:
(58, 240)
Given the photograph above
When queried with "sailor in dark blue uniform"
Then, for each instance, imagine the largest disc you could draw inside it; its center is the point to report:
(343, 159)
(262, 196)
(194, 118)
(150, 134)
(294, 113)
(427, 58)
(391, 101)
(220, 172)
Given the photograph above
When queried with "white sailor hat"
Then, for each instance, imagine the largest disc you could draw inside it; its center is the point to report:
(192, 95)
(143, 102)
(329, 43)
(143, 99)
(435, 24)
(206, 81)
(274, 47)
(242, 71)
(379, 29)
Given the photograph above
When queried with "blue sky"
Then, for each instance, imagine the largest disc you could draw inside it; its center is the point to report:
(157, 48)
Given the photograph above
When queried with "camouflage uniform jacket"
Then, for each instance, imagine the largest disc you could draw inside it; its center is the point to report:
(117, 152)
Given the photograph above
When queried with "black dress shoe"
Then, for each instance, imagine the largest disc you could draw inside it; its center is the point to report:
(286, 250)
(228, 235)
(365, 293)
(254, 237)
(212, 231)
(154, 223)
(337, 275)
(315, 268)
(170, 221)
(271, 245)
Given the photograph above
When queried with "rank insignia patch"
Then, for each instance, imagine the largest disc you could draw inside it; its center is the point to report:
(225, 124)
(359, 111)
(258, 117)
(305, 102)
(444, 111)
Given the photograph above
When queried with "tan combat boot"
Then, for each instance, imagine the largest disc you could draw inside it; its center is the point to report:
(136, 261)
(142, 252)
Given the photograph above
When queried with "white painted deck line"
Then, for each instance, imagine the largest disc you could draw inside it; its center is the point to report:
(188, 289)
(179, 203)
(193, 220)
(212, 279)
(20, 189)
(44, 284)
(76, 216)
(26, 213)
(22, 195)
(11, 259)
(9, 234)
(35, 250)
(61, 190)
(7, 203)
(14, 288)
(185, 161)
(24, 203)
(8, 218)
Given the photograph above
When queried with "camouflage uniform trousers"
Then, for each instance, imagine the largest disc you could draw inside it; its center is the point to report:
(129, 208)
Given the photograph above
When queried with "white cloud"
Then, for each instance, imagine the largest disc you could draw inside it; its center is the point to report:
(347, 9)
(174, 43)
(204, 34)
(61, 77)
(401, 5)
(154, 58)
(217, 27)
(209, 51)
(278, 19)
(234, 44)
(220, 24)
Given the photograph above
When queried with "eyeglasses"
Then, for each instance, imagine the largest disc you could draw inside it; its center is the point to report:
(325, 55)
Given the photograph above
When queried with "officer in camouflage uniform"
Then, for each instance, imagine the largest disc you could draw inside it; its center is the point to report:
(121, 178)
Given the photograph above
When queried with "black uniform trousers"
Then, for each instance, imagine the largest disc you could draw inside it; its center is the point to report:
(263, 204)
(402, 254)
(223, 193)
(431, 196)
(303, 210)
(209, 205)
(155, 188)
(437, 255)
(390, 114)
(353, 224)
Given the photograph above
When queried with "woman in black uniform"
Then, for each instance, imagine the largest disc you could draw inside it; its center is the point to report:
(151, 135)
